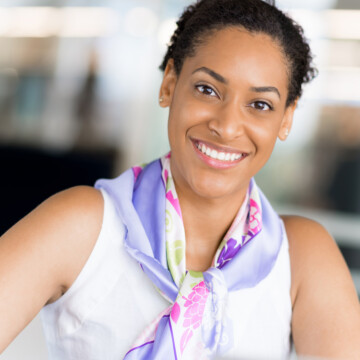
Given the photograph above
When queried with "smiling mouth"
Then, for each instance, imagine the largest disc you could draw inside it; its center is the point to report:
(224, 156)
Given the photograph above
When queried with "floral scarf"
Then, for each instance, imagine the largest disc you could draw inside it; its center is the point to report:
(196, 324)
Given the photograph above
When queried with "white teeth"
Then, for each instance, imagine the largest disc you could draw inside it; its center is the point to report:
(223, 156)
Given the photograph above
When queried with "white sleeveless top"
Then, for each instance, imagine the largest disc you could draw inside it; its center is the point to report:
(112, 301)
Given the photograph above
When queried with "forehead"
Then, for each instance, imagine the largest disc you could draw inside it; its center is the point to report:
(239, 55)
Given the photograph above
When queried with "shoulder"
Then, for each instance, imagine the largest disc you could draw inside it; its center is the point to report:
(321, 285)
(74, 207)
(311, 248)
(67, 211)
(65, 227)
(78, 210)
(42, 255)
(74, 219)
(298, 227)
(80, 203)
(85, 197)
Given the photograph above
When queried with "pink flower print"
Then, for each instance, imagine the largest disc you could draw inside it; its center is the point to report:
(136, 170)
(185, 339)
(175, 313)
(255, 222)
(174, 202)
(166, 175)
(195, 304)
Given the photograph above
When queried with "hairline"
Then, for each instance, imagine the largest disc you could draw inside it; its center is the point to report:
(203, 36)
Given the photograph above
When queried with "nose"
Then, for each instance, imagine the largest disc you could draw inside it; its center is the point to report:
(228, 123)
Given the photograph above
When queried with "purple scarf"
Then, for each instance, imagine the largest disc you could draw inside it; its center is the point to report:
(141, 196)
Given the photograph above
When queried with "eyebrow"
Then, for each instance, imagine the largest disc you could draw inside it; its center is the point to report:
(212, 73)
(262, 89)
(221, 79)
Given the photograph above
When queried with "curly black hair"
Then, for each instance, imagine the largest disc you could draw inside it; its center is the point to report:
(199, 20)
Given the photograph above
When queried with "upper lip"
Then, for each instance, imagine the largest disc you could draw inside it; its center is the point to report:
(219, 148)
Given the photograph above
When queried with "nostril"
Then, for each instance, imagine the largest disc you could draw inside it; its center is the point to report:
(229, 128)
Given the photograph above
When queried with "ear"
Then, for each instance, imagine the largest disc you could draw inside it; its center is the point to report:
(168, 84)
(287, 121)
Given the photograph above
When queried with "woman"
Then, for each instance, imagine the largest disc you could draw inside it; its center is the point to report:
(244, 280)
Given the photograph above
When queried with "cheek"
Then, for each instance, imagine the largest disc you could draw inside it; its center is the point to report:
(267, 135)
(184, 117)
(264, 138)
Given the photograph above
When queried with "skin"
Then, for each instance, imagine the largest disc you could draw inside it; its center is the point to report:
(234, 117)
(41, 256)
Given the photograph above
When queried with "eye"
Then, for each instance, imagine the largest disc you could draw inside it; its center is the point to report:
(261, 106)
(206, 90)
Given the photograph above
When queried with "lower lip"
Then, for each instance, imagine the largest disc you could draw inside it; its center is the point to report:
(217, 164)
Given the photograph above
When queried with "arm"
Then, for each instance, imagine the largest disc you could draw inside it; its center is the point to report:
(326, 309)
(41, 256)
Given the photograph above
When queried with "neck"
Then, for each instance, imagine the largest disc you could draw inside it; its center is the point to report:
(206, 222)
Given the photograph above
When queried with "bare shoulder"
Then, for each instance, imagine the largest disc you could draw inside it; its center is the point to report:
(308, 240)
(75, 198)
(80, 207)
(71, 220)
(65, 226)
(41, 255)
(321, 286)
(311, 248)
(71, 205)
(301, 230)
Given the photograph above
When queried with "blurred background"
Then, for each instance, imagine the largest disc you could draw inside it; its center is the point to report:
(79, 85)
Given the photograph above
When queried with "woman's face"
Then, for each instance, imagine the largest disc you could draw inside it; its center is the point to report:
(227, 108)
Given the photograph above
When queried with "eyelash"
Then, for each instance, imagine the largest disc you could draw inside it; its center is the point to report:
(270, 108)
(198, 87)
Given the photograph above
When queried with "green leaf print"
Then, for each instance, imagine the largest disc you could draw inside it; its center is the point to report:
(169, 223)
(182, 279)
(177, 250)
(169, 184)
(196, 274)
(175, 254)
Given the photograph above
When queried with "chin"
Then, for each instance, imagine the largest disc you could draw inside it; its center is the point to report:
(212, 189)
